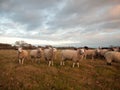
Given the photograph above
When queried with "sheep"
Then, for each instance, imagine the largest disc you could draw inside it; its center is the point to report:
(55, 53)
(82, 53)
(112, 56)
(37, 53)
(116, 49)
(97, 52)
(22, 55)
(102, 52)
(73, 55)
(91, 53)
(49, 55)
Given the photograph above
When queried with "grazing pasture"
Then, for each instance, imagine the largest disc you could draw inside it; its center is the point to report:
(91, 75)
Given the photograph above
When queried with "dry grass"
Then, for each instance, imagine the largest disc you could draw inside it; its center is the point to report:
(92, 75)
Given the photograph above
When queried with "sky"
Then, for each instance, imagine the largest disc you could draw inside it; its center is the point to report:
(76, 23)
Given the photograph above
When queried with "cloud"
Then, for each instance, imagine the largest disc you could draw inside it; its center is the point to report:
(115, 11)
(30, 12)
(84, 13)
(61, 22)
(12, 40)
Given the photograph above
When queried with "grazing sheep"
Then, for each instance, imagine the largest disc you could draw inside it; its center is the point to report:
(22, 55)
(49, 55)
(37, 53)
(91, 53)
(73, 55)
(112, 56)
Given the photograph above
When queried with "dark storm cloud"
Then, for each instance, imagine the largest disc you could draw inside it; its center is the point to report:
(29, 12)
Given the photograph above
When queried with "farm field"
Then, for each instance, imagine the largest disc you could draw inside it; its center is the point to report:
(91, 75)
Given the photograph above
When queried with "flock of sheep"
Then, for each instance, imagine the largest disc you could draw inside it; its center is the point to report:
(75, 56)
(36, 54)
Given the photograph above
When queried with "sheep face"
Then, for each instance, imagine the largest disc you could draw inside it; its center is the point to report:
(39, 50)
(54, 49)
(98, 50)
(81, 51)
(50, 48)
(20, 49)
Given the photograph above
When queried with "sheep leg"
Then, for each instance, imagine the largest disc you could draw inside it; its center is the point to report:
(39, 61)
(19, 61)
(78, 64)
(49, 63)
(63, 59)
(73, 65)
(92, 57)
(22, 60)
(61, 63)
(85, 56)
(109, 61)
(31, 59)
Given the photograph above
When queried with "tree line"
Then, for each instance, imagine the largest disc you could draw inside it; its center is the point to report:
(26, 45)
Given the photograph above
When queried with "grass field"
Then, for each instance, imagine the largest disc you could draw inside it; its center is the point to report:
(91, 75)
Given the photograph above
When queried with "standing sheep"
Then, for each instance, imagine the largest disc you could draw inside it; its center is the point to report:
(112, 56)
(102, 52)
(73, 55)
(55, 53)
(117, 49)
(49, 55)
(22, 55)
(36, 54)
(90, 53)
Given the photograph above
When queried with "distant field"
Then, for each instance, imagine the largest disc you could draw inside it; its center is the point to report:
(91, 75)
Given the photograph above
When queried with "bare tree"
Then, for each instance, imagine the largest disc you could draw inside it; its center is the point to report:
(21, 44)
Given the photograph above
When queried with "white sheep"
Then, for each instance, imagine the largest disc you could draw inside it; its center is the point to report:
(102, 52)
(36, 54)
(73, 55)
(22, 55)
(90, 53)
(49, 55)
(112, 56)
(117, 49)
(55, 53)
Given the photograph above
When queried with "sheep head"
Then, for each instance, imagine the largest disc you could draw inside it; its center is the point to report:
(20, 49)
